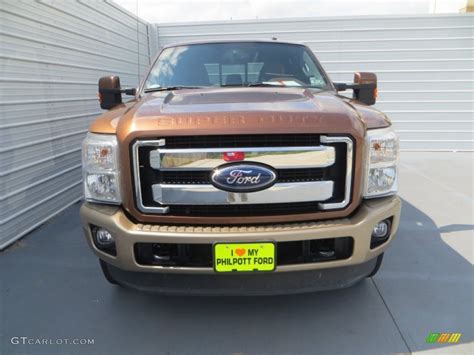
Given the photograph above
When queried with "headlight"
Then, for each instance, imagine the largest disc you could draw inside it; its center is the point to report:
(100, 168)
(382, 163)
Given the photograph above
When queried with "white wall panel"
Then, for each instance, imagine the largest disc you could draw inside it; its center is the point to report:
(424, 65)
(52, 54)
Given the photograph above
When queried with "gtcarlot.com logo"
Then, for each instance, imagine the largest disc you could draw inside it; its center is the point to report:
(51, 341)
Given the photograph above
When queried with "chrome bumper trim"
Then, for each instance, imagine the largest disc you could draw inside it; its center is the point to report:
(209, 195)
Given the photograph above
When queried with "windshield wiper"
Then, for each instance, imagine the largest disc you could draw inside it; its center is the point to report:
(264, 85)
(283, 86)
(171, 88)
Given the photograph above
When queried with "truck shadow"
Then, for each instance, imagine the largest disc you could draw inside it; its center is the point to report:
(424, 286)
(456, 228)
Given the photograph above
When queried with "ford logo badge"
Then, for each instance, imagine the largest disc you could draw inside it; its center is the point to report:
(238, 177)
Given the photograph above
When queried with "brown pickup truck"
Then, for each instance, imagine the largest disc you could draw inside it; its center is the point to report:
(237, 168)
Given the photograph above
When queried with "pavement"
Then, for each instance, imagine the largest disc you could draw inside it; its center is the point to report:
(51, 288)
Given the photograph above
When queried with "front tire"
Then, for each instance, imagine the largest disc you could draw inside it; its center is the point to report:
(377, 265)
(105, 270)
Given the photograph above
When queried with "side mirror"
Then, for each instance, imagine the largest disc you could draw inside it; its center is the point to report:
(367, 88)
(364, 87)
(110, 92)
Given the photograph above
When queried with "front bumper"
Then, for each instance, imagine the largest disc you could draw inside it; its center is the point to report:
(278, 283)
(359, 226)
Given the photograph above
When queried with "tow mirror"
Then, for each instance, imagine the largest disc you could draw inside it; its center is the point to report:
(110, 92)
(367, 90)
(364, 87)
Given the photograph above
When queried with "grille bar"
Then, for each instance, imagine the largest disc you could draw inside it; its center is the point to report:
(202, 177)
(199, 159)
(210, 195)
(252, 140)
(273, 209)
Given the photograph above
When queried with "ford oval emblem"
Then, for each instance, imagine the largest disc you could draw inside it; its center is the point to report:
(238, 177)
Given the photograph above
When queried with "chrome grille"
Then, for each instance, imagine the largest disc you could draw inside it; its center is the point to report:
(172, 174)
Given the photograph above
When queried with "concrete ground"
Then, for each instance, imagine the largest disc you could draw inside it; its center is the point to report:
(51, 287)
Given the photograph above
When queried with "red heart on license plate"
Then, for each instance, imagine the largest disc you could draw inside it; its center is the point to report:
(240, 251)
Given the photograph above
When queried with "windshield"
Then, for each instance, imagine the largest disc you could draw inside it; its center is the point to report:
(236, 64)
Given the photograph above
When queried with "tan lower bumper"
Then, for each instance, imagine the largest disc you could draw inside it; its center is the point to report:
(126, 234)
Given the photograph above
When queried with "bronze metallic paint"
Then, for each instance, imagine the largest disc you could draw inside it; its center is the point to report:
(233, 111)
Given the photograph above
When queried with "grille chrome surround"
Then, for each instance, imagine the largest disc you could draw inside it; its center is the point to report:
(136, 176)
(320, 201)
(348, 182)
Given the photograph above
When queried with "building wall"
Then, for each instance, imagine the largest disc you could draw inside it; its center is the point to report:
(424, 65)
(51, 56)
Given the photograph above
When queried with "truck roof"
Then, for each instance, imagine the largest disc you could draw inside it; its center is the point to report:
(207, 41)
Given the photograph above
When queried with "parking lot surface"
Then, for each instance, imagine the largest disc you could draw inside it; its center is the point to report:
(51, 288)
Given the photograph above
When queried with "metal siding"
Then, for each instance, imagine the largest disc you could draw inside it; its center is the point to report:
(424, 65)
(51, 56)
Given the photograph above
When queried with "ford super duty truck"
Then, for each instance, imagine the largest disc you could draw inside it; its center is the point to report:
(237, 168)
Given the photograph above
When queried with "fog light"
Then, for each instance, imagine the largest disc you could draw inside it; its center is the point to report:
(381, 232)
(103, 237)
(103, 240)
(381, 229)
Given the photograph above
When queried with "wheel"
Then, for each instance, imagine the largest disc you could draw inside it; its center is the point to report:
(377, 265)
(105, 270)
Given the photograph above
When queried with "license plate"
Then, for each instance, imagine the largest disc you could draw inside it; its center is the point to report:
(244, 257)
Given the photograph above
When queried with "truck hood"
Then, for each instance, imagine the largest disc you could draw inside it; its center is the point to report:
(240, 111)
(242, 100)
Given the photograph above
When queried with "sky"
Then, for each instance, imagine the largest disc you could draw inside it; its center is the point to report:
(165, 11)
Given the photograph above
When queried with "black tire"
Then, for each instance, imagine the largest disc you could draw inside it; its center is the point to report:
(377, 265)
(105, 270)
